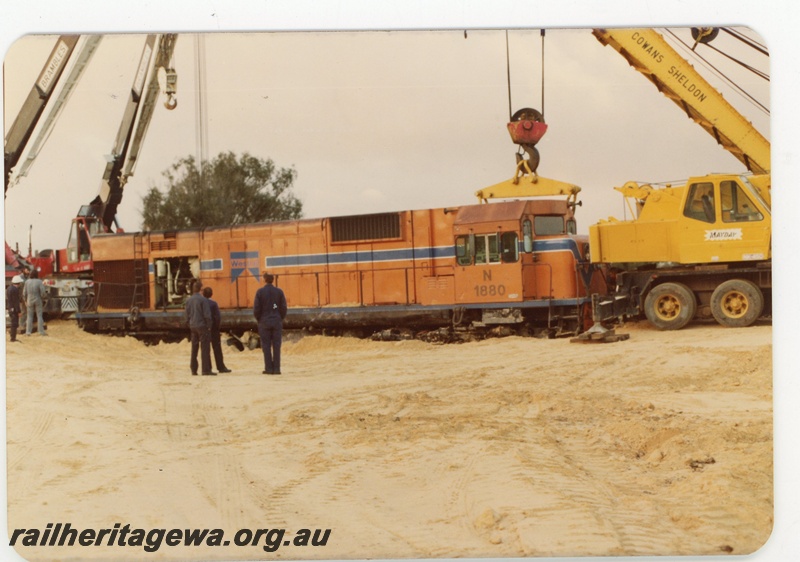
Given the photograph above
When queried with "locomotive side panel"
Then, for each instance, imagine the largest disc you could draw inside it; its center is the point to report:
(556, 270)
(434, 253)
(228, 265)
(479, 264)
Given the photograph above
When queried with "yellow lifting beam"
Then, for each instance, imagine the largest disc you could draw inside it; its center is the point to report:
(536, 186)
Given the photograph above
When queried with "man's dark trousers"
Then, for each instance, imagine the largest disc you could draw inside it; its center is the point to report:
(270, 331)
(216, 347)
(201, 338)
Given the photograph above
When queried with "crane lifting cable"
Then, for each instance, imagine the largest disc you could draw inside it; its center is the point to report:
(719, 73)
(706, 35)
(201, 112)
(526, 126)
(746, 40)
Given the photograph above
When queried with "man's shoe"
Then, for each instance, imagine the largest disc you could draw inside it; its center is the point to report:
(266, 372)
(211, 374)
(194, 374)
(225, 370)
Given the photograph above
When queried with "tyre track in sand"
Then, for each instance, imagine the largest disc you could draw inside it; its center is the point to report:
(217, 467)
(20, 475)
(590, 487)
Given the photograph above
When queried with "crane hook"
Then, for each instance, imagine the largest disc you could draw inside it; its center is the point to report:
(171, 103)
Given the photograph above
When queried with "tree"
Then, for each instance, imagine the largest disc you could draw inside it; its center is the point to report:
(229, 191)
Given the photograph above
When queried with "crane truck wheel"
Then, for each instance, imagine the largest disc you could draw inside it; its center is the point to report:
(670, 306)
(737, 303)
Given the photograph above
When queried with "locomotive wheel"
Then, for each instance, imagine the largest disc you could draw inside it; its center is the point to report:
(737, 303)
(670, 306)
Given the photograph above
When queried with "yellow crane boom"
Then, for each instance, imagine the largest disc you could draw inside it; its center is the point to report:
(648, 52)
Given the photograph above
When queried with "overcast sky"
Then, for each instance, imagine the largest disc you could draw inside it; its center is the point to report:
(373, 121)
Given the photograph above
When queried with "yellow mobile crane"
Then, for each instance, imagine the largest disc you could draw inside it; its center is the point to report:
(702, 249)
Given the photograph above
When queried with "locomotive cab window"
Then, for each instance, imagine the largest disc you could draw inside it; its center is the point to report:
(572, 227)
(509, 247)
(527, 236)
(486, 249)
(736, 206)
(464, 250)
(546, 225)
(481, 249)
(700, 203)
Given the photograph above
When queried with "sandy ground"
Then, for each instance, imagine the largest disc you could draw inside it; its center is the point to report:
(661, 444)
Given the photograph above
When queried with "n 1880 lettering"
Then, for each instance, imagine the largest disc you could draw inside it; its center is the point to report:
(490, 290)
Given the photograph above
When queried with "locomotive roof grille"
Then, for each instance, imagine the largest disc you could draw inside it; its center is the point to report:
(382, 226)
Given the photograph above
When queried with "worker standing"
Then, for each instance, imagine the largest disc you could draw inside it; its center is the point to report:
(198, 316)
(34, 293)
(270, 310)
(13, 306)
(216, 320)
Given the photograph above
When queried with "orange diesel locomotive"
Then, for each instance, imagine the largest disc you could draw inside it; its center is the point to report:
(513, 263)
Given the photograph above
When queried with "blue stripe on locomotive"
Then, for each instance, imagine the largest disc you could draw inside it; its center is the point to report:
(400, 254)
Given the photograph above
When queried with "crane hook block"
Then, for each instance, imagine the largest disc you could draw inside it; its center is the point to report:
(171, 88)
(527, 127)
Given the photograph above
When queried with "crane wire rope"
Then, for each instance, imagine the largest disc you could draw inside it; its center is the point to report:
(508, 77)
(750, 42)
(759, 73)
(201, 114)
(542, 34)
(719, 73)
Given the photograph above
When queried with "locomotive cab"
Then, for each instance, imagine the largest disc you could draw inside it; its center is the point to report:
(516, 251)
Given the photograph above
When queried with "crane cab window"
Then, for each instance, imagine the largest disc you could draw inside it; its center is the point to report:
(700, 203)
(78, 248)
(736, 205)
(72, 244)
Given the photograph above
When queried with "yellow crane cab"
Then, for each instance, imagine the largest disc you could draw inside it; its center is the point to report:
(717, 218)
